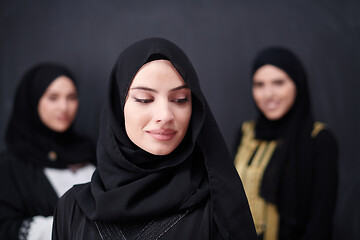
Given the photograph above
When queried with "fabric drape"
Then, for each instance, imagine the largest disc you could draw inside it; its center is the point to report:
(131, 184)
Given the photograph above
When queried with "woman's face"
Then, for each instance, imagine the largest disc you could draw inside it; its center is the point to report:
(58, 105)
(158, 108)
(274, 91)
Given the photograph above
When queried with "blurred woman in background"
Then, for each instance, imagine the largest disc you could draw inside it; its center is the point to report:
(286, 160)
(44, 156)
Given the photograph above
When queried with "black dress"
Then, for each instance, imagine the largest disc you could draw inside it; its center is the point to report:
(25, 192)
(193, 192)
(192, 222)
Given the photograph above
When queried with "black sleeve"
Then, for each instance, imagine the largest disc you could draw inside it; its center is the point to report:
(236, 143)
(325, 187)
(11, 201)
(64, 216)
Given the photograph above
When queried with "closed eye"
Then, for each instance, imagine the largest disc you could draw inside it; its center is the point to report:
(52, 97)
(141, 100)
(258, 84)
(279, 82)
(180, 100)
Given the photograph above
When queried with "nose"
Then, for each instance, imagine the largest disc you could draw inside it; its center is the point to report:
(268, 92)
(63, 104)
(163, 112)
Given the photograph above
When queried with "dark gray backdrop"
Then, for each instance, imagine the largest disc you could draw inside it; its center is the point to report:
(221, 38)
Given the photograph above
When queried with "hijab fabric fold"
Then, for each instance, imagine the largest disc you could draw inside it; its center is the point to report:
(131, 184)
(286, 178)
(29, 139)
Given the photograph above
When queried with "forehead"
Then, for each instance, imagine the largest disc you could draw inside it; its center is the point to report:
(156, 72)
(61, 83)
(269, 71)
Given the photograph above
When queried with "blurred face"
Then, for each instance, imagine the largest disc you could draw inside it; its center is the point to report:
(274, 92)
(58, 105)
(158, 108)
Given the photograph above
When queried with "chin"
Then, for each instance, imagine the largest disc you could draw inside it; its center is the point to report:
(60, 129)
(273, 117)
(160, 151)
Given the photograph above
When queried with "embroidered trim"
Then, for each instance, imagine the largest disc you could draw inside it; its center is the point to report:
(24, 229)
(152, 230)
(318, 126)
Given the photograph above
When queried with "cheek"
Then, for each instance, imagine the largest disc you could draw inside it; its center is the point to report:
(290, 94)
(130, 113)
(44, 109)
(183, 116)
(135, 118)
(74, 107)
(257, 96)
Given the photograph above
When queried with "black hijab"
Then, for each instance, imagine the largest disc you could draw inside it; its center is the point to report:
(123, 189)
(29, 139)
(288, 174)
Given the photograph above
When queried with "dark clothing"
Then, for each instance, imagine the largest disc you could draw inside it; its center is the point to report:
(31, 147)
(301, 177)
(132, 185)
(28, 138)
(25, 192)
(194, 223)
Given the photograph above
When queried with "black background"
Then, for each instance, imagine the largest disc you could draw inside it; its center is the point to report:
(221, 38)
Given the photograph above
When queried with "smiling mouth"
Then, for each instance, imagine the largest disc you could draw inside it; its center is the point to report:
(162, 134)
(63, 119)
(271, 106)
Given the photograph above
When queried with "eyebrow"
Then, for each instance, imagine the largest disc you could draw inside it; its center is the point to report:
(155, 91)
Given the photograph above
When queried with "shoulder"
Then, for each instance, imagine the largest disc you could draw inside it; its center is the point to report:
(67, 209)
(241, 131)
(66, 215)
(9, 164)
(5, 157)
(67, 202)
(246, 126)
(12, 165)
(326, 147)
(246, 129)
(323, 136)
(8, 158)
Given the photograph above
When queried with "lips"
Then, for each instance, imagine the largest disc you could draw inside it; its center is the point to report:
(162, 134)
(270, 106)
(63, 118)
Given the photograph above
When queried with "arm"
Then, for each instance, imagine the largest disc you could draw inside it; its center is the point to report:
(325, 187)
(12, 207)
(18, 218)
(63, 216)
(40, 228)
(56, 229)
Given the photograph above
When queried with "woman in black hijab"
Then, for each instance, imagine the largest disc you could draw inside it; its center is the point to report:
(44, 156)
(287, 161)
(163, 168)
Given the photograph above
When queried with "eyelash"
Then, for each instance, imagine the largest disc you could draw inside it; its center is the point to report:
(71, 98)
(257, 85)
(279, 83)
(140, 100)
(52, 98)
(180, 100)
